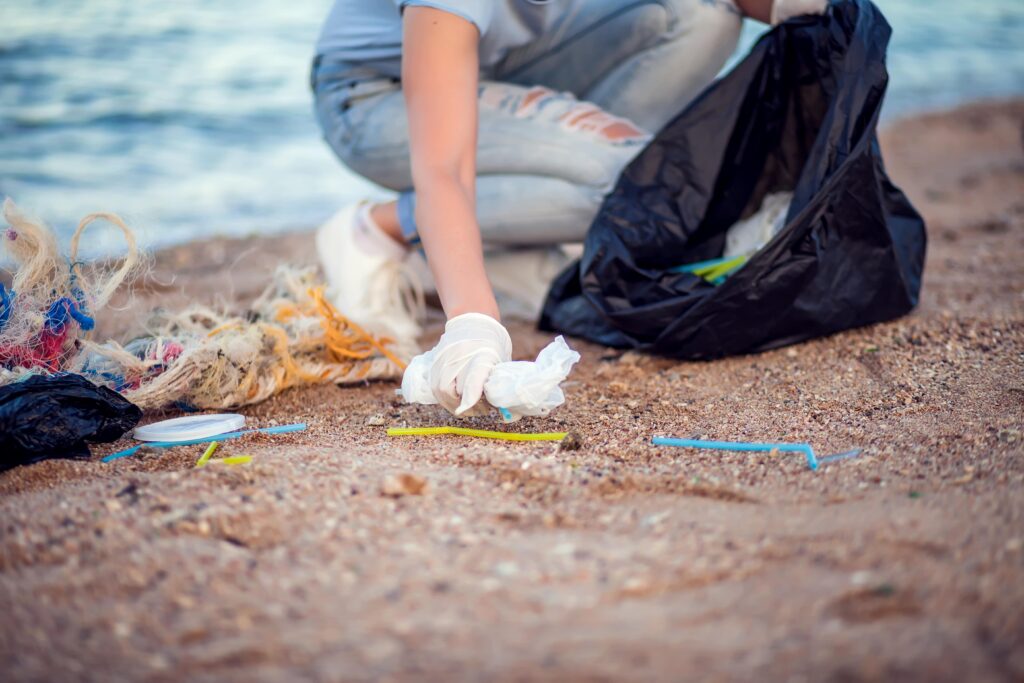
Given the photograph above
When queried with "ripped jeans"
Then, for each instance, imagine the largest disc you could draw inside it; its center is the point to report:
(558, 119)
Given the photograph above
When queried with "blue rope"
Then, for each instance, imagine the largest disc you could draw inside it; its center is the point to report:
(63, 309)
(6, 305)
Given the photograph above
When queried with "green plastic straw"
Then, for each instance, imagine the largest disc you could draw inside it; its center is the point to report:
(205, 457)
(714, 270)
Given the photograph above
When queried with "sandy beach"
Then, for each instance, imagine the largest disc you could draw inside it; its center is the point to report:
(616, 561)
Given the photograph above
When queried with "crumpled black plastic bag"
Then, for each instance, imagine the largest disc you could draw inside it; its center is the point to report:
(798, 114)
(53, 416)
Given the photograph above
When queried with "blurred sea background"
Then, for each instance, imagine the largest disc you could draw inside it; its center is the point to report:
(193, 118)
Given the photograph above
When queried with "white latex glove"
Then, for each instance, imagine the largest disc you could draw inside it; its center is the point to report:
(518, 388)
(783, 10)
(472, 344)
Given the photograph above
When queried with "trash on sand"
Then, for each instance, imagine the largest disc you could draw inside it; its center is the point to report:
(481, 433)
(232, 460)
(55, 416)
(839, 456)
(190, 427)
(194, 358)
(53, 299)
(517, 388)
(798, 114)
(280, 429)
(751, 234)
(714, 270)
(812, 461)
(404, 484)
(205, 457)
(525, 389)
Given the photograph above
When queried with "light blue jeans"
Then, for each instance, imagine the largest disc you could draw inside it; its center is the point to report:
(546, 155)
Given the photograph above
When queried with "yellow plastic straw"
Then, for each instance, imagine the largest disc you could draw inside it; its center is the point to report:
(481, 433)
(236, 459)
(205, 457)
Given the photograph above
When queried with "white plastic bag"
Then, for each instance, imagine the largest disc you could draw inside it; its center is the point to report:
(517, 388)
(525, 389)
(750, 234)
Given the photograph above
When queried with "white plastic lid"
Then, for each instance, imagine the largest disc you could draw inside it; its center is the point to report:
(190, 427)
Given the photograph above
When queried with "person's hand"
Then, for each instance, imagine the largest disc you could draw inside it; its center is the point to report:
(783, 10)
(472, 344)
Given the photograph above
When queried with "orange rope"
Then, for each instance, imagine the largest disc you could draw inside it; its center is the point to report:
(336, 325)
(281, 348)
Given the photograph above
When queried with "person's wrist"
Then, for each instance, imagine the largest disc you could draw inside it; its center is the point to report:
(484, 327)
(488, 308)
(472, 316)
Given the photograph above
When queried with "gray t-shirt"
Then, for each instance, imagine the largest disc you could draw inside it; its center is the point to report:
(370, 31)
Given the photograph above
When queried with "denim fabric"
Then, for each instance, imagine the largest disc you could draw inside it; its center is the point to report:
(544, 157)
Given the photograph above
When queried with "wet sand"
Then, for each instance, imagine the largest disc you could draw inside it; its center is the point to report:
(617, 561)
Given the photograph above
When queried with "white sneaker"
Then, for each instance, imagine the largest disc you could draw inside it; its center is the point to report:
(368, 277)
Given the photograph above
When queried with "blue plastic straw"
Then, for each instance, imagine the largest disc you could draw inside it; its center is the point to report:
(840, 456)
(715, 270)
(702, 265)
(812, 462)
(281, 429)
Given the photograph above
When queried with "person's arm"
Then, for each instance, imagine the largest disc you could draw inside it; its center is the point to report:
(439, 78)
(756, 9)
(777, 11)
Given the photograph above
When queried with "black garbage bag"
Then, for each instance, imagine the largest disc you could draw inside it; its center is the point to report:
(797, 114)
(53, 416)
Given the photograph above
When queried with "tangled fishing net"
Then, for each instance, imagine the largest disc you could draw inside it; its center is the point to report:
(197, 358)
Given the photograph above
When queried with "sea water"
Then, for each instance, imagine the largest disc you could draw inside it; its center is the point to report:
(193, 118)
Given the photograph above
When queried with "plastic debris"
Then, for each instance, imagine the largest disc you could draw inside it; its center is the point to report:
(55, 416)
(812, 461)
(480, 433)
(231, 460)
(714, 270)
(196, 358)
(840, 456)
(190, 427)
(205, 457)
(525, 389)
(50, 307)
(517, 388)
(750, 234)
(280, 429)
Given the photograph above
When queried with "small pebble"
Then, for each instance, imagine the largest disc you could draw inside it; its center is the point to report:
(506, 569)
(1009, 435)
(376, 420)
(404, 484)
(572, 442)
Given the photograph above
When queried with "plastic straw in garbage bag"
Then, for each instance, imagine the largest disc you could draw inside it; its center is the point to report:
(518, 388)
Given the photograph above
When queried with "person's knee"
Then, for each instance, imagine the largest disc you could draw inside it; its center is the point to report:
(704, 38)
(656, 18)
(717, 20)
(562, 108)
(585, 117)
